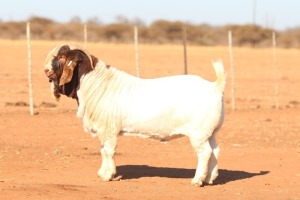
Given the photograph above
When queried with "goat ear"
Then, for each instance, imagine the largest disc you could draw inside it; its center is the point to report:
(67, 74)
(95, 61)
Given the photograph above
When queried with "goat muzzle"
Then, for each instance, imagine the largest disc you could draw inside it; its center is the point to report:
(50, 74)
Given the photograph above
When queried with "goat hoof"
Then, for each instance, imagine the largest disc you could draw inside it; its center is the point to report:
(197, 183)
(105, 176)
(210, 183)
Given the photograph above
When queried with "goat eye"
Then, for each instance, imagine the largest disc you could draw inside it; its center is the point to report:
(55, 64)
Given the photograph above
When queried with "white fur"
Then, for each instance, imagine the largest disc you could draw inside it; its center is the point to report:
(112, 102)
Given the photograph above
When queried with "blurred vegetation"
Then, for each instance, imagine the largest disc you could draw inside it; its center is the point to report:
(160, 31)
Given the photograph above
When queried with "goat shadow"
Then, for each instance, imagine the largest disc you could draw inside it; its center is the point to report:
(139, 171)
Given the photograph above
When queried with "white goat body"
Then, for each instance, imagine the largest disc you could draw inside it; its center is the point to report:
(112, 102)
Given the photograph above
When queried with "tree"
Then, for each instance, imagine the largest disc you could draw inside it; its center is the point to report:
(94, 21)
(250, 34)
(75, 20)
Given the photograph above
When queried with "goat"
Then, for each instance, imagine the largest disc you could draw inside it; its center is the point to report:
(112, 103)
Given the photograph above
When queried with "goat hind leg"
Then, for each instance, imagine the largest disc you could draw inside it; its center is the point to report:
(204, 152)
(213, 161)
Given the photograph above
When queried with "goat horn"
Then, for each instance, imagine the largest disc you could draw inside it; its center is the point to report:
(52, 53)
(85, 52)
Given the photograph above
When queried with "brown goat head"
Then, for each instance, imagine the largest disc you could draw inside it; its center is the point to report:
(64, 66)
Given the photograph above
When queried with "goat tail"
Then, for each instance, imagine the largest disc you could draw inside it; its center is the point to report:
(221, 75)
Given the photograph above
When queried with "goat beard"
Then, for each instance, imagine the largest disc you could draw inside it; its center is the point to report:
(55, 90)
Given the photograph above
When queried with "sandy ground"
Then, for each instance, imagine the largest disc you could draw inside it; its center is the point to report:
(48, 156)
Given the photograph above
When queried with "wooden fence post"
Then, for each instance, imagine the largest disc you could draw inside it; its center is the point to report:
(231, 70)
(85, 35)
(184, 48)
(137, 66)
(31, 105)
(275, 72)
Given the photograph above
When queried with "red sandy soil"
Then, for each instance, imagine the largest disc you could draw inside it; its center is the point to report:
(48, 156)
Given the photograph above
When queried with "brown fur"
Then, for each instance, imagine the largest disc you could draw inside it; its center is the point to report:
(66, 78)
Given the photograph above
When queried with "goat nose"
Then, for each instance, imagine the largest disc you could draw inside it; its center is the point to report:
(48, 72)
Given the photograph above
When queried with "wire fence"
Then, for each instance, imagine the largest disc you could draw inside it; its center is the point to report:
(260, 94)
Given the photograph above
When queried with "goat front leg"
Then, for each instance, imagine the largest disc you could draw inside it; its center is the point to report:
(108, 167)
